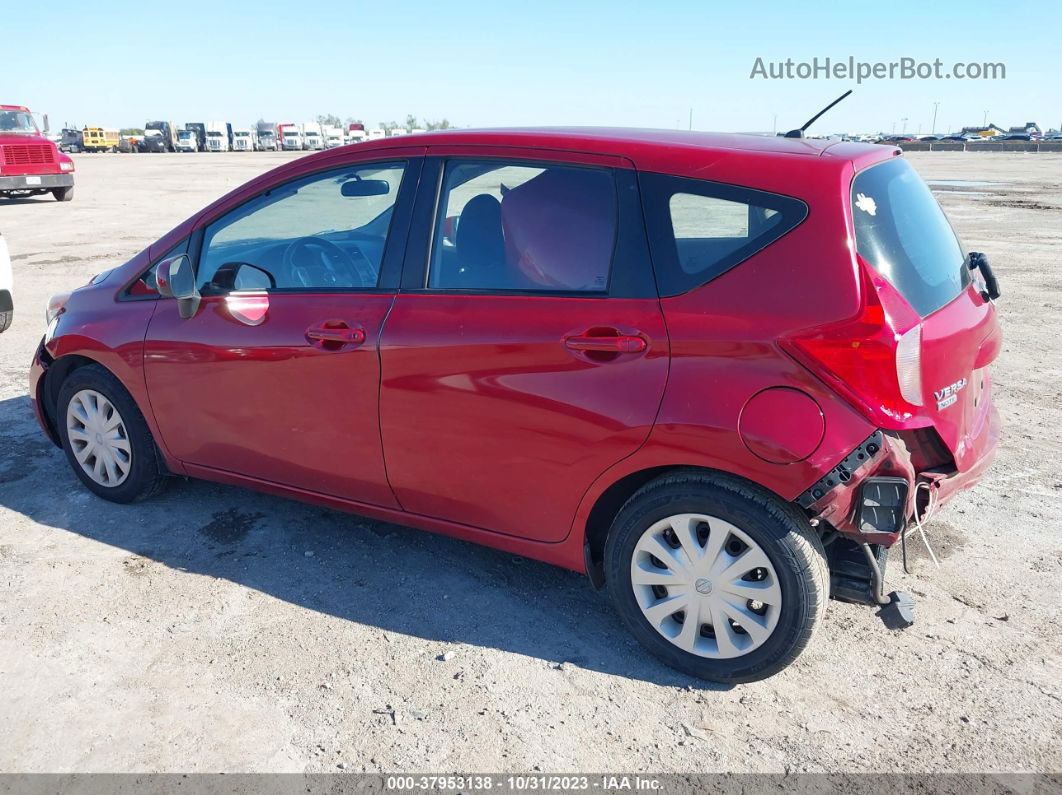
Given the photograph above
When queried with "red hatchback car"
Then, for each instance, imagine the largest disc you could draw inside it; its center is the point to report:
(717, 373)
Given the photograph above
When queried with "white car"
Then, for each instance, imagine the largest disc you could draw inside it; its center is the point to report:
(7, 306)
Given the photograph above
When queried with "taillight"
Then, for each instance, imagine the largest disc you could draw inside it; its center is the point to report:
(868, 360)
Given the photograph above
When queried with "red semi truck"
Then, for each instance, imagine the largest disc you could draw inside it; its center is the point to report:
(30, 164)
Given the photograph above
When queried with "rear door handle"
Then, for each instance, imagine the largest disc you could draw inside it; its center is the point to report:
(620, 343)
(335, 333)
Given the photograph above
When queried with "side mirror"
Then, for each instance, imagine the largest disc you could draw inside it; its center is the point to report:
(175, 279)
(233, 276)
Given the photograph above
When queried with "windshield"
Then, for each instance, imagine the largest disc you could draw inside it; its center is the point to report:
(17, 121)
(905, 236)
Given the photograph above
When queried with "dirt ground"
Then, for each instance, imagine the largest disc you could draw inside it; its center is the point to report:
(216, 629)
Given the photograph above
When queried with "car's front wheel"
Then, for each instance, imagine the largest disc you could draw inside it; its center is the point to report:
(106, 438)
(716, 577)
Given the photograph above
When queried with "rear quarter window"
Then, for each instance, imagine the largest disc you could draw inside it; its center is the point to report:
(699, 229)
(903, 234)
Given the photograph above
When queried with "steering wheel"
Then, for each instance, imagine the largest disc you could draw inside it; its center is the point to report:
(337, 268)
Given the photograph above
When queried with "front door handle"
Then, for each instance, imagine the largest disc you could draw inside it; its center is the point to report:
(619, 343)
(333, 334)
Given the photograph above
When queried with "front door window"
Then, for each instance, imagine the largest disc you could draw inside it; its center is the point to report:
(324, 232)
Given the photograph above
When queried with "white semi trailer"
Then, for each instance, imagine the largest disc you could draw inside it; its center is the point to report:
(243, 139)
(333, 137)
(187, 141)
(217, 136)
(312, 137)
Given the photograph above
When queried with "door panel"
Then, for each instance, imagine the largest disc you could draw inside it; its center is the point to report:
(243, 387)
(531, 361)
(276, 376)
(491, 418)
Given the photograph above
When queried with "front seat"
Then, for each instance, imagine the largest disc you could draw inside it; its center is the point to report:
(480, 244)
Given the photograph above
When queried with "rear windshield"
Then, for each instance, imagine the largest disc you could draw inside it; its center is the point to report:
(902, 232)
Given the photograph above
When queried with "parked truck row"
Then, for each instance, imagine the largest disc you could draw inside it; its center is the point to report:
(221, 136)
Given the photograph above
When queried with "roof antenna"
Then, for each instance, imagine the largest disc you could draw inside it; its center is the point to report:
(800, 132)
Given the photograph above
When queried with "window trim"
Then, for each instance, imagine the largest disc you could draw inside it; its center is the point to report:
(628, 231)
(657, 192)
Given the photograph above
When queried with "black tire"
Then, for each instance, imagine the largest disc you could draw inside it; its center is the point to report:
(63, 194)
(145, 478)
(5, 320)
(781, 531)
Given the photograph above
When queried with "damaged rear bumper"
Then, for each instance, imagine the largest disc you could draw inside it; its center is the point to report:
(873, 493)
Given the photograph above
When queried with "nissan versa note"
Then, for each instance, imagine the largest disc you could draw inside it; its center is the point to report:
(718, 374)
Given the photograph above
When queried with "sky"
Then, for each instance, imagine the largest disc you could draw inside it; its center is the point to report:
(483, 64)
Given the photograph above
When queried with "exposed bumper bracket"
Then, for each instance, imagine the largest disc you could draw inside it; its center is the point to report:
(842, 473)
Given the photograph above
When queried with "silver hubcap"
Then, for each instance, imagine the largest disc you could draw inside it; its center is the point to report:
(706, 586)
(98, 438)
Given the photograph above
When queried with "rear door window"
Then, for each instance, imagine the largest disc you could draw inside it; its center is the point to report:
(699, 229)
(904, 235)
(524, 227)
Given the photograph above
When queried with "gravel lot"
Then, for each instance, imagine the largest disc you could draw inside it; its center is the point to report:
(216, 629)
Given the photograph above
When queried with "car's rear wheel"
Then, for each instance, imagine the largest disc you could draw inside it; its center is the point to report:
(716, 577)
(63, 194)
(5, 320)
(106, 438)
